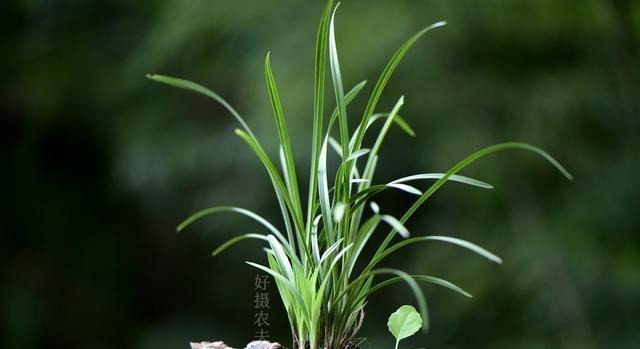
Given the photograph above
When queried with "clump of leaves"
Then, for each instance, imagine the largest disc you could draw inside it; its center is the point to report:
(313, 259)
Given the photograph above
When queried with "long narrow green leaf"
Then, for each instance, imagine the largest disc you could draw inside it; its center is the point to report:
(398, 120)
(280, 187)
(192, 86)
(323, 191)
(348, 98)
(477, 155)
(237, 239)
(281, 256)
(381, 254)
(370, 166)
(420, 298)
(338, 257)
(290, 286)
(318, 105)
(363, 235)
(358, 153)
(364, 195)
(385, 128)
(331, 269)
(405, 187)
(460, 166)
(314, 244)
(426, 278)
(396, 224)
(384, 78)
(329, 251)
(454, 178)
(338, 88)
(336, 146)
(216, 209)
(401, 123)
(285, 294)
(283, 133)
(455, 241)
(367, 175)
(343, 185)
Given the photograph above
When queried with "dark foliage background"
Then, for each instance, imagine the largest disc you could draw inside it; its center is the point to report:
(99, 165)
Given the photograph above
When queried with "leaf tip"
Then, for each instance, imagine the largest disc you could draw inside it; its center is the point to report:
(439, 24)
(338, 211)
(374, 207)
(568, 175)
(267, 60)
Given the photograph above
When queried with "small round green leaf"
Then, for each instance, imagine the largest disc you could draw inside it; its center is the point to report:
(404, 322)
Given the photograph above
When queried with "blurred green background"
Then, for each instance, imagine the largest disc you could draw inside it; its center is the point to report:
(99, 165)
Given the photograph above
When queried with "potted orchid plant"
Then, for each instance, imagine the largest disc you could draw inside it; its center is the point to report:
(316, 255)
